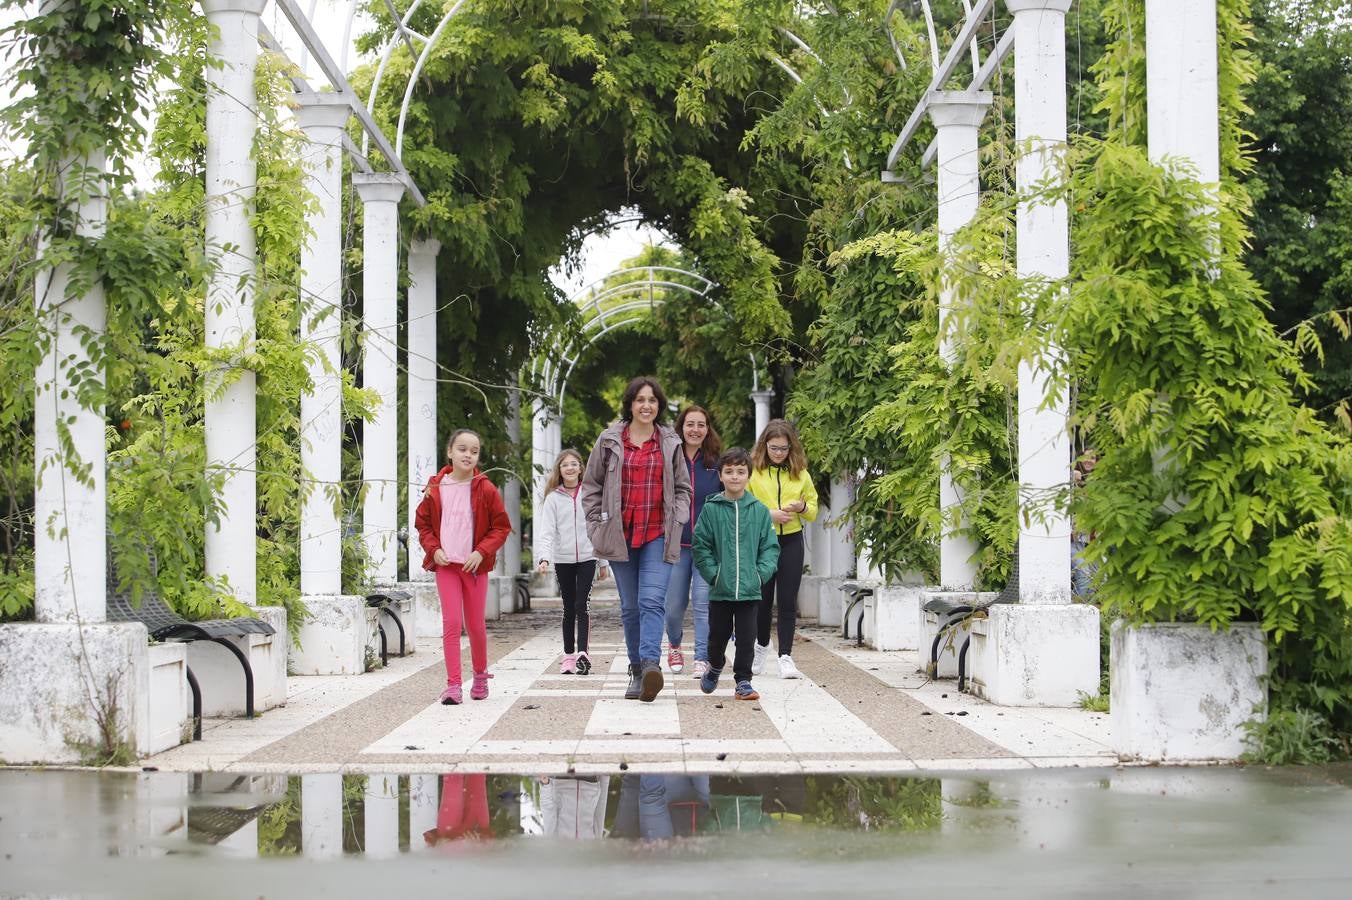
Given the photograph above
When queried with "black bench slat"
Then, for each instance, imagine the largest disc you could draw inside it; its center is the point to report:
(165, 624)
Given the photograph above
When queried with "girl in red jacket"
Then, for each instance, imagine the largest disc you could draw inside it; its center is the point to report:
(461, 525)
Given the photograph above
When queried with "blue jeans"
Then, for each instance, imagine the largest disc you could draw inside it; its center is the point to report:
(655, 807)
(642, 581)
(688, 587)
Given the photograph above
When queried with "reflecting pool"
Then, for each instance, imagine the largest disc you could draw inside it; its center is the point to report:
(1116, 833)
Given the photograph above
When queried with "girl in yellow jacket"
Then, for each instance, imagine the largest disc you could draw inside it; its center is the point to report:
(780, 480)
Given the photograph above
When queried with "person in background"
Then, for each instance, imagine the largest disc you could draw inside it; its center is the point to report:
(780, 480)
(565, 545)
(701, 446)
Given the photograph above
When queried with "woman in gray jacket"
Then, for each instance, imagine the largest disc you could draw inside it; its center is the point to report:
(636, 495)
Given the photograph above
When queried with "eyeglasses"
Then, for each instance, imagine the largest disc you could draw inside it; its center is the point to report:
(777, 448)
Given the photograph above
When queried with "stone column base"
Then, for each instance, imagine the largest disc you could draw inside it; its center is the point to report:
(333, 640)
(1183, 692)
(1035, 654)
(427, 608)
(894, 620)
(50, 673)
(809, 597)
(831, 601)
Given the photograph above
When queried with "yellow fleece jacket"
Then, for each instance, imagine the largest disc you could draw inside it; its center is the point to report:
(777, 488)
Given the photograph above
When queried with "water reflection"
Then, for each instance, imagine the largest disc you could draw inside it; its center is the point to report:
(327, 816)
(1179, 832)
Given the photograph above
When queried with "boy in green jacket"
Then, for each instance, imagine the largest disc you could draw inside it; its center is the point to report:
(736, 551)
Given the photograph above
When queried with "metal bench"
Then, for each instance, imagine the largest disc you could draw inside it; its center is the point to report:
(385, 600)
(523, 592)
(166, 625)
(858, 594)
(956, 614)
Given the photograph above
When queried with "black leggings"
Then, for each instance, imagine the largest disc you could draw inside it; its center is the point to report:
(785, 584)
(575, 582)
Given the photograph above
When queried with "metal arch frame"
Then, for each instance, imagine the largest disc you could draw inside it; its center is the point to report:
(337, 78)
(554, 371)
(975, 15)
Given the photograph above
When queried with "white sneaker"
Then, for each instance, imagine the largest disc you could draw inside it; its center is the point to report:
(758, 659)
(787, 669)
(700, 668)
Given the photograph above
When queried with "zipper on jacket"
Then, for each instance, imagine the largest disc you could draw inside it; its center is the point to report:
(779, 494)
(737, 544)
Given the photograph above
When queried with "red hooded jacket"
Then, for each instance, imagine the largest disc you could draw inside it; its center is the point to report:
(491, 525)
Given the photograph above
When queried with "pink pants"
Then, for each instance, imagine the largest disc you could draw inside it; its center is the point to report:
(463, 809)
(462, 601)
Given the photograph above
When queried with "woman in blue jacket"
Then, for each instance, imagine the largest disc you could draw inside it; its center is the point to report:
(702, 445)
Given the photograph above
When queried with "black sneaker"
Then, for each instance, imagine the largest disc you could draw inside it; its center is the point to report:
(583, 663)
(635, 687)
(652, 681)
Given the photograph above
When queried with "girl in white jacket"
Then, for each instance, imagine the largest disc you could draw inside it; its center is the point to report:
(562, 542)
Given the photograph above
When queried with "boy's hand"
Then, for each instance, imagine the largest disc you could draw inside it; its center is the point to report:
(439, 557)
(601, 573)
(472, 562)
(780, 517)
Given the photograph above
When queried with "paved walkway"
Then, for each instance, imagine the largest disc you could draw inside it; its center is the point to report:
(854, 710)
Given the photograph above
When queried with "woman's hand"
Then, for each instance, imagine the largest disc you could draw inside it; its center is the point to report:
(601, 573)
(439, 557)
(780, 517)
(543, 567)
(472, 562)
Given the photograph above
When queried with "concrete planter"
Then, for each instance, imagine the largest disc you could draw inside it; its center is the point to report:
(809, 597)
(333, 640)
(165, 709)
(1183, 692)
(893, 619)
(831, 602)
(428, 604)
(50, 672)
(1032, 654)
(407, 610)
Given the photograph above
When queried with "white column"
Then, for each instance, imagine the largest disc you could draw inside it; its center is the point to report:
(322, 118)
(1043, 252)
(380, 195)
(231, 426)
(957, 120)
(423, 447)
(380, 815)
(1182, 90)
(423, 802)
(321, 816)
(540, 463)
(70, 544)
(511, 491)
(842, 547)
(762, 401)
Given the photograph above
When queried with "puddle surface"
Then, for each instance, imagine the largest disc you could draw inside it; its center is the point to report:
(1128, 833)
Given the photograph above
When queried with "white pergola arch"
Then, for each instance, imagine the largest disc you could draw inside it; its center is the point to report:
(605, 306)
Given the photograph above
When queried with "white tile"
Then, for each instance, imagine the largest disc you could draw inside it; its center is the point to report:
(454, 729)
(633, 717)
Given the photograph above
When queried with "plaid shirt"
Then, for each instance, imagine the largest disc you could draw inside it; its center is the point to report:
(641, 490)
